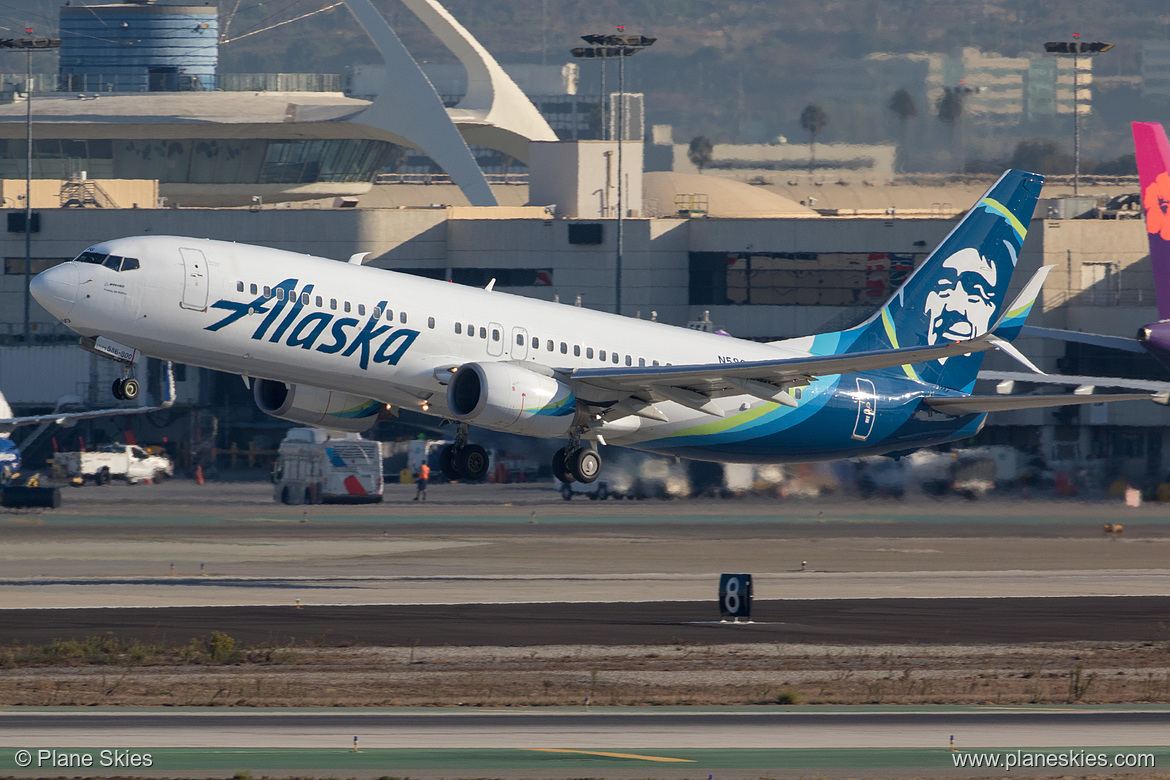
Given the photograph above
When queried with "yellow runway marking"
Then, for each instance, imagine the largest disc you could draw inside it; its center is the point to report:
(660, 759)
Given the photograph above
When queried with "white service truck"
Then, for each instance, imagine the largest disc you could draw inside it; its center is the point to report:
(114, 461)
(315, 466)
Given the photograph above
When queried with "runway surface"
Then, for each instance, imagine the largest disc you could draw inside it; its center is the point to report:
(946, 621)
(599, 729)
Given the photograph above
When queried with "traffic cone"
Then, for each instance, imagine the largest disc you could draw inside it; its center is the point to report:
(199, 475)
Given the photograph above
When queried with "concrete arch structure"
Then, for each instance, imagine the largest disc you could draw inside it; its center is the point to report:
(494, 113)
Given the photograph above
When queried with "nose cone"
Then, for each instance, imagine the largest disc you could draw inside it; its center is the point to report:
(56, 289)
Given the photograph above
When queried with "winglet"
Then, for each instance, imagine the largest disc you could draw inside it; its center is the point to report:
(356, 259)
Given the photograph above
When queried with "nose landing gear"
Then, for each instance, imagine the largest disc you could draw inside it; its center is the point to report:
(126, 389)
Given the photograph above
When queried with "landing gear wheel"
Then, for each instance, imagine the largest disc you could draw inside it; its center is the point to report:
(117, 390)
(447, 463)
(130, 389)
(585, 464)
(560, 469)
(472, 462)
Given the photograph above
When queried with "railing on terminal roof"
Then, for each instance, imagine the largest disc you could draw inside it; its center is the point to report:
(224, 82)
(442, 178)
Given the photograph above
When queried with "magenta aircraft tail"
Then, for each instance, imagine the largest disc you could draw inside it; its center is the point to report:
(1153, 163)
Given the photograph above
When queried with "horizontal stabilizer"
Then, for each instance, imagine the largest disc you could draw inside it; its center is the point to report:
(1065, 380)
(976, 404)
(1094, 339)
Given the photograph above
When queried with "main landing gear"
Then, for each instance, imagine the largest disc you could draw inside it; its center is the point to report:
(575, 463)
(126, 389)
(468, 462)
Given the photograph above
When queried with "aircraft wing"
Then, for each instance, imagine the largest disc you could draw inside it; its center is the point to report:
(694, 386)
(64, 418)
(769, 380)
(793, 370)
(7, 424)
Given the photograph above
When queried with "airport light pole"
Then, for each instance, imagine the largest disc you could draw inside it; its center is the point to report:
(29, 45)
(1076, 48)
(620, 46)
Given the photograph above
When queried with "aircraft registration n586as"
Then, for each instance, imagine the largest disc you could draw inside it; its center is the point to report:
(330, 343)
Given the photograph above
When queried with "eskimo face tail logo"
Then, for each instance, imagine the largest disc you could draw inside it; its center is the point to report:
(964, 299)
(318, 330)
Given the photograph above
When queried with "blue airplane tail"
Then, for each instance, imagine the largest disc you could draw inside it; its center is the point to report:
(960, 290)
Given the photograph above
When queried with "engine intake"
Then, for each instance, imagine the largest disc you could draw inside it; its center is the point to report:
(314, 406)
(506, 397)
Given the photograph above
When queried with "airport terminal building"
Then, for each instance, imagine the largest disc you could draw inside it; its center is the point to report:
(296, 171)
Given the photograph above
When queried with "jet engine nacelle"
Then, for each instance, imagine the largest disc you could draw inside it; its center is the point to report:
(507, 397)
(314, 406)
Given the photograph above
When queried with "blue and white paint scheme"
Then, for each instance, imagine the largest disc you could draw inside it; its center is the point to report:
(323, 340)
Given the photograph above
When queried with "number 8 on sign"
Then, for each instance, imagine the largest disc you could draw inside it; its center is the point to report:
(735, 596)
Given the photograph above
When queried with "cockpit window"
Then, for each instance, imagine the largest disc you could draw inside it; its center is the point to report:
(113, 262)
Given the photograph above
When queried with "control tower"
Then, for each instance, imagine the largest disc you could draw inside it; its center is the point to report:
(138, 46)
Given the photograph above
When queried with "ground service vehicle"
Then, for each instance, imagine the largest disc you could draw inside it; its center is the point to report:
(115, 461)
(315, 466)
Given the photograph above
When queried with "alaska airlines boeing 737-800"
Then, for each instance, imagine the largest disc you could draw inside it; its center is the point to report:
(331, 344)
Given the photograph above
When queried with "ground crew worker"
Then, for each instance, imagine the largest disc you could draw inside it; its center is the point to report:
(424, 475)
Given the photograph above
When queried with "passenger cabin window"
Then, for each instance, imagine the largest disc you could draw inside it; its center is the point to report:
(601, 354)
(641, 361)
(319, 301)
(519, 340)
(267, 291)
(458, 328)
(549, 345)
(564, 348)
(483, 333)
(495, 334)
(470, 330)
(431, 323)
(361, 310)
(655, 362)
(535, 343)
(252, 289)
(333, 304)
(629, 362)
(402, 317)
(347, 307)
(280, 293)
(377, 313)
(304, 299)
(239, 286)
(615, 358)
(390, 315)
(589, 352)
(576, 350)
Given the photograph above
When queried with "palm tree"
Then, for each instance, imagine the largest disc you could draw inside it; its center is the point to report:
(813, 119)
(700, 151)
(902, 105)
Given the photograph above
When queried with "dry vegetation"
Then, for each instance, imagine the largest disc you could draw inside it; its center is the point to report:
(214, 672)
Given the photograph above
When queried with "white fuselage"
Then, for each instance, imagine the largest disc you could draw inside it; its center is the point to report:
(189, 300)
